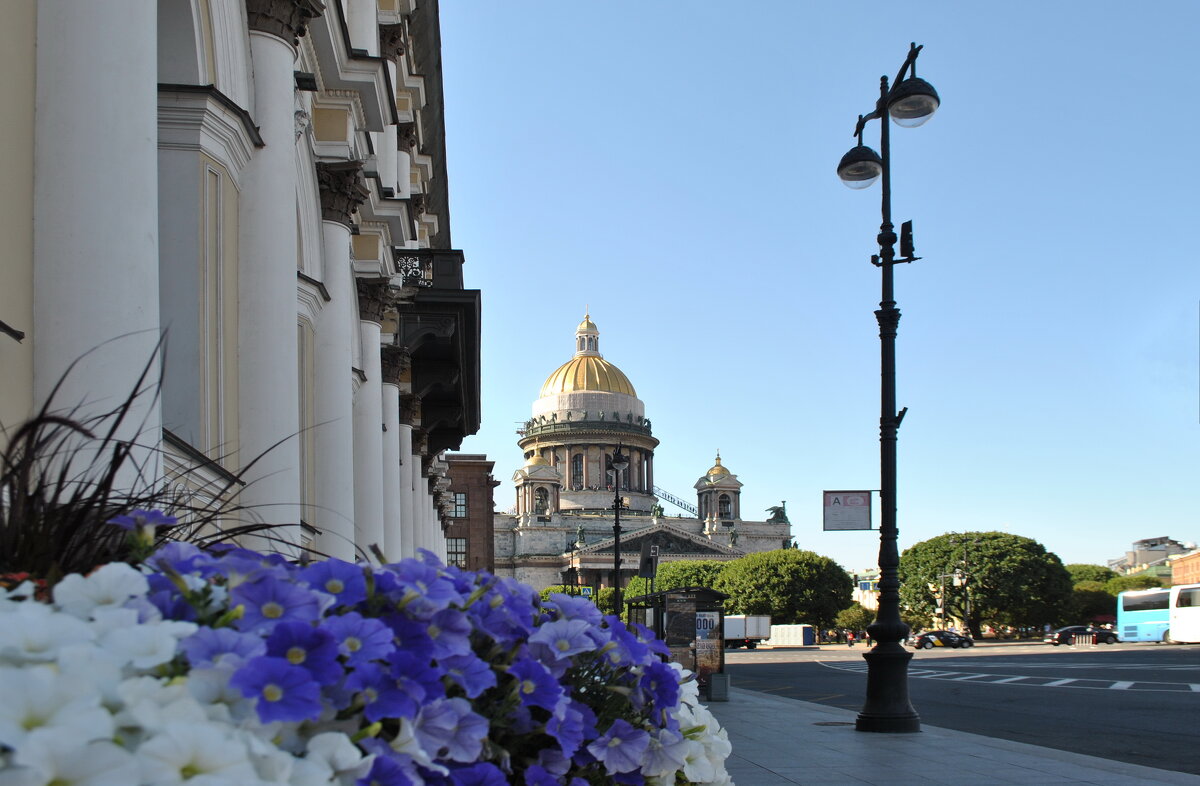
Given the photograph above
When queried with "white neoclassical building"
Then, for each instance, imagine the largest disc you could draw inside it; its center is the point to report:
(262, 182)
(562, 529)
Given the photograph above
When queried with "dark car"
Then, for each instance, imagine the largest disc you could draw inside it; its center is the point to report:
(1071, 633)
(940, 638)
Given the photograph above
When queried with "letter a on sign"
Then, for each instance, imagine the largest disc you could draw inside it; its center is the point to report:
(846, 510)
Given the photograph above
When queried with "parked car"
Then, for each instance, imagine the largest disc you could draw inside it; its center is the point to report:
(1068, 635)
(940, 638)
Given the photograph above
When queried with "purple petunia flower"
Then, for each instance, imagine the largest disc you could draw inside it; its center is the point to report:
(536, 686)
(574, 608)
(360, 639)
(572, 724)
(420, 589)
(214, 646)
(313, 649)
(270, 601)
(382, 696)
(449, 730)
(343, 580)
(621, 748)
(470, 673)
(661, 683)
(450, 632)
(390, 770)
(482, 774)
(561, 639)
(143, 521)
(536, 775)
(284, 692)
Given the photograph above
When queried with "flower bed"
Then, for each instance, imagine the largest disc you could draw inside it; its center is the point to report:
(233, 667)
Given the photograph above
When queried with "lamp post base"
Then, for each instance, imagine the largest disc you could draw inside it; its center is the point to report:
(887, 708)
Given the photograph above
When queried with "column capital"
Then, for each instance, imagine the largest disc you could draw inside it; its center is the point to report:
(374, 297)
(393, 41)
(343, 189)
(410, 413)
(396, 364)
(406, 136)
(287, 19)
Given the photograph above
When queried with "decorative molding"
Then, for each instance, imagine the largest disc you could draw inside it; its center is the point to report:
(202, 118)
(287, 19)
(410, 410)
(343, 189)
(303, 123)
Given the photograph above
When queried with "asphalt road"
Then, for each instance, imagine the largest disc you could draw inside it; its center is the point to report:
(1138, 703)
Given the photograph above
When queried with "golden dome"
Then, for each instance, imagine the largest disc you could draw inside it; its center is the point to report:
(587, 372)
(536, 460)
(587, 325)
(717, 468)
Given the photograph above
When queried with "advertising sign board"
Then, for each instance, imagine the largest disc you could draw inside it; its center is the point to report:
(847, 510)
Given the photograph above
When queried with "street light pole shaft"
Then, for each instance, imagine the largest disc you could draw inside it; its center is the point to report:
(617, 543)
(887, 707)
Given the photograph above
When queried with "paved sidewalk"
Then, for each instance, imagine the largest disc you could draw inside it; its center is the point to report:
(779, 741)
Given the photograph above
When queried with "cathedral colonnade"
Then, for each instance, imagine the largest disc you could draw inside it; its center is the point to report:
(261, 184)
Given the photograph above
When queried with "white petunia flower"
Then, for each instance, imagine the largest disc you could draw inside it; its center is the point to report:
(184, 752)
(145, 646)
(148, 704)
(33, 632)
(48, 757)
(336, 752)
(697, 767)
(271, 764)
(38, 698)
(108, 586)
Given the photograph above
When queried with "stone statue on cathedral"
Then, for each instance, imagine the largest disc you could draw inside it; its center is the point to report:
(778, 514)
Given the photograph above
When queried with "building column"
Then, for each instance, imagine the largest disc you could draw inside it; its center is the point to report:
(393, 518)
(268, 362)
(406, 528)
(342, 191)
(95, 238)
(362, 17)
(368, 423)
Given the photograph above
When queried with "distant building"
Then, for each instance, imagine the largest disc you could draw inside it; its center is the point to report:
(1185, 568)
(562, 529)
(1147, 554)
(471, 497)
(866, 588)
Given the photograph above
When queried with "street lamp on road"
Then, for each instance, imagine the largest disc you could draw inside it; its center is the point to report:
(909, 101)
(619, 463)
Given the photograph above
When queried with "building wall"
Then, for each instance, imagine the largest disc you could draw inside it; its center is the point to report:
(471, 474)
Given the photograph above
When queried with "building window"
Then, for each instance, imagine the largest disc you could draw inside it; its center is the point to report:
(577, 471)
(541, 502)
(460, 505)
(724, 508)
(456, 552)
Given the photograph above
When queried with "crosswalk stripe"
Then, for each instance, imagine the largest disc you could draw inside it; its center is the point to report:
(1054, 683)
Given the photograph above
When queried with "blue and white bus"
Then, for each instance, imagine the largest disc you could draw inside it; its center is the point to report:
(1185, 614)
(1144, 615)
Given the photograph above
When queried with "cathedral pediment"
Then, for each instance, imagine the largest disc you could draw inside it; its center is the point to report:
(671, 542)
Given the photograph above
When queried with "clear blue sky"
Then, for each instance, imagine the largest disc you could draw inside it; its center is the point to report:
(672, 165)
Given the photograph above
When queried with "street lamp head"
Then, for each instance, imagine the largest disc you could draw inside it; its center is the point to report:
(620, 462)
(860, 167)
(912, 102)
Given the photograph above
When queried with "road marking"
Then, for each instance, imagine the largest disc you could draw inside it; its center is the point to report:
(1055, 683)
(1195, 687)
(1034, 681)
(1012, 679)
(1121, 686)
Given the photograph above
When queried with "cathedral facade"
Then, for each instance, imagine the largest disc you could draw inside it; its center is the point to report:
(562, 529)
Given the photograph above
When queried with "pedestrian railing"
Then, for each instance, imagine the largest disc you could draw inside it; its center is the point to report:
(1083, 640)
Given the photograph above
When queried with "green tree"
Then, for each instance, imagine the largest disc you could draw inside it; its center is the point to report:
(1083, 572)
(789, 584)
(1088, 604)
(855, 617)
(1125, 583)
(1007, 579)
(687, 573)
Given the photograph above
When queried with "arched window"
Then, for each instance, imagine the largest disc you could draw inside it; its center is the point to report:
(577, 471)
(541, 501)
(724, 507)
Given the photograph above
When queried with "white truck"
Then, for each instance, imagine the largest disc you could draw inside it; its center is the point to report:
(746, 630)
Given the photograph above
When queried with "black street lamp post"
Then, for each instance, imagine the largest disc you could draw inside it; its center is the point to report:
(909, 101)
(618, 463)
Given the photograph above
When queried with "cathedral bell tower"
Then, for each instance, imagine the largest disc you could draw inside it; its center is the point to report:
(719, 498)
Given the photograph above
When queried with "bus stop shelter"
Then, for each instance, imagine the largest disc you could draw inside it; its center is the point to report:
(691, 621)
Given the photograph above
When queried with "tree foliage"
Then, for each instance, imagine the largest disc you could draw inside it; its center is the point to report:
(671, 575)
(855, 617)
(1081, 572)
(1125, 583)
(791, 585)
(1009, 579)
(1088, 604)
